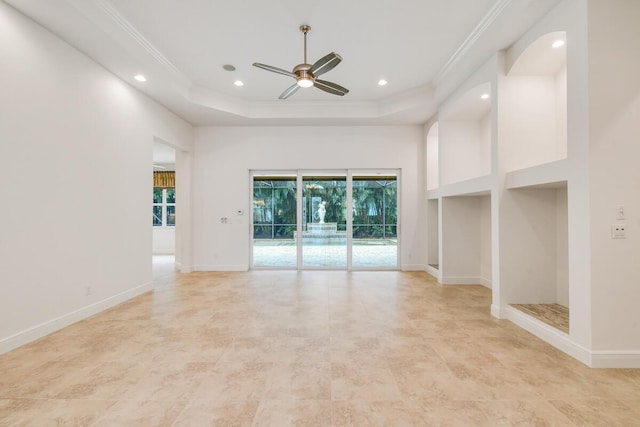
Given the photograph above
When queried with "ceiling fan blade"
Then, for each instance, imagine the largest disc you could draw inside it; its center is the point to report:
(274, 69)
(332, 88)
(289, 91)
(326, 63)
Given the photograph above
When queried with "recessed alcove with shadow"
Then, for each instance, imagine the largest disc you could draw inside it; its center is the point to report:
(534, 207)
(535, 269)
(459, 183)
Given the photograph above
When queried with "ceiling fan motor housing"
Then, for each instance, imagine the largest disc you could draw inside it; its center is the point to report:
(304, 77)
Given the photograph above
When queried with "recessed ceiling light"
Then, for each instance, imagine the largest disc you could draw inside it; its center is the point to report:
(558, 43)
(238, 83)
(229, 67)
(140, 78)
(382, 82)
(484, 96)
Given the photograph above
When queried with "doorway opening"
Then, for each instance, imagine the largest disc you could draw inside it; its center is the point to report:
(163, 210)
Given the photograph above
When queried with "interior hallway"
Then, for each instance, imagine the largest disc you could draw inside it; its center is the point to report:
(306, 348)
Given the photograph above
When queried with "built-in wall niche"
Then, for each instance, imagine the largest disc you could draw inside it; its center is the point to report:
(534, 253)
(432, 158)
(433, 239)
(466, 240)
(533, 104)
(464, 136)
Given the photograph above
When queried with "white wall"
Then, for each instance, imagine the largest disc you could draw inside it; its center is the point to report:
(485, 145)
(76, 145)
(528, 245)
(224, 156)
(614, 132)
(433, 242)
(432, 158)
(460, 263)
(529, 121)
(466, 240)
(164, 240)
(562, 247)
(486, 275)
(561, 113)
(460, 150)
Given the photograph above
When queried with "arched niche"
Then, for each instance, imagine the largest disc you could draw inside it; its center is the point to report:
(541, 58)
(464, 136)
(534, 96)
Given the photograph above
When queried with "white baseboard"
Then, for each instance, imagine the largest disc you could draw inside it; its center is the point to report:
(183, 268)
(462, 280)
(485, 282)
(433, 271)
(220, 268)
(412, 267)
(53, 325)
(497, 312)
(547, 333)
(615, 359)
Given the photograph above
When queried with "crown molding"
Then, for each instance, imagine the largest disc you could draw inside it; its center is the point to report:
(486, 22)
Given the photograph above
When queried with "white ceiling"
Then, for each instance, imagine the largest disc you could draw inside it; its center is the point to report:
(181, 45)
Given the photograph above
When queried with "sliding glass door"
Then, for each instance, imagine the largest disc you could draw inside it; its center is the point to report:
(275, 220)
(325, 220)
(375, 221)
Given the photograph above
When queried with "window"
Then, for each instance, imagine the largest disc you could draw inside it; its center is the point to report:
(164, 207)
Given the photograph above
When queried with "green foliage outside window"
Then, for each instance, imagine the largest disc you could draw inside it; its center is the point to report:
(164, 207)
(374, 206)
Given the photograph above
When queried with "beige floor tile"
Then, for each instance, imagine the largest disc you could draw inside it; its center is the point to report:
(211, 413)
(605, 413)
(448, 413)
(479, 382)
(50, 412)
(307, 348)
(48, 380)
(523, 413)
(300, 413)
(234, 382)
(299, 381)
(251, 350)
(365, 381)
(353, 350)
(106, 380)
(141, 413)
(169, 381)
(310, 350)
(371, 413)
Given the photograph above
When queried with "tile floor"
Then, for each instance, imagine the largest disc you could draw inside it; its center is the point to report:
(554, 315)
(311, 348)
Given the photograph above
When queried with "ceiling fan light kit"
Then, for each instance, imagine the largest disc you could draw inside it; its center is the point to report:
(306, 74)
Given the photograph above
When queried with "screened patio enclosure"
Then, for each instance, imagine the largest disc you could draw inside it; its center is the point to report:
(326, 219)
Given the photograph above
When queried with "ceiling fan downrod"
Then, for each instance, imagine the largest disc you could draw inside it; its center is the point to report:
(305, 29)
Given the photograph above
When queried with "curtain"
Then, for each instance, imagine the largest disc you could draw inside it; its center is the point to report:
(164, 179)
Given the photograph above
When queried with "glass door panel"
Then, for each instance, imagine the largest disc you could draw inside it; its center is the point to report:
(274, 221)
(324, 221)
(375, 221)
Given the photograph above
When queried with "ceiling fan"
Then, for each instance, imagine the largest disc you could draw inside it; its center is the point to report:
(306, 74)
